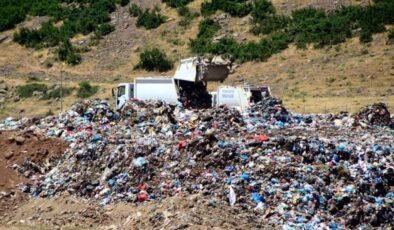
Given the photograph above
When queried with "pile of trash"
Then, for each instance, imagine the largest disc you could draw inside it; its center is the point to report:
(374, 115)
(289, 173)
(271, 109)
(194, 95)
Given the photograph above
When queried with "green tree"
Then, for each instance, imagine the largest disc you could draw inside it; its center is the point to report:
(154, 60)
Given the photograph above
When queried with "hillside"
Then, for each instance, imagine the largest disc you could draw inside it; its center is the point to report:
(336, 77)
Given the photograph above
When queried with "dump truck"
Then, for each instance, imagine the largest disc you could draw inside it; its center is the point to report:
(189, 86)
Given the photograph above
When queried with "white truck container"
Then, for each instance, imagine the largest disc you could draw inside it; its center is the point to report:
(231, 96)
(154, 88)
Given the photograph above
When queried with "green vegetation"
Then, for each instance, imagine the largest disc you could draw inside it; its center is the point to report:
(66, 52)
(390, 36)
(83, 17)
(366, 36)
(207, 29)
(238, 8)
(86, 90)
(250, 51)
(28, 89)
(150, 19)
(177, 3)
(154, 60)
(135, 10)
(187, 16)
(305, 26)
(124, 2)
(56, 93)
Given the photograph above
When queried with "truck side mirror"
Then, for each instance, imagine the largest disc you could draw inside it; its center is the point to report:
(113, 92)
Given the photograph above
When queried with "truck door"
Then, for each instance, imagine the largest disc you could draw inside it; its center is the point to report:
(121, 96)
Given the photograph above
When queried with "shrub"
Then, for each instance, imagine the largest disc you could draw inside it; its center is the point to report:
(237, 8)
(177, 3)
(187, 16)
(207, 29)
(314, 26)
(90, 16)
(56, 93)
(104, 29)
(86, 90)
(124, 2)
(68, 54)
(134, 10)
(183, 11)
(154, 60)
(261, 10)
(270, 24)
(365, 36)
(27, 90)
(390, 36)
(150, 19)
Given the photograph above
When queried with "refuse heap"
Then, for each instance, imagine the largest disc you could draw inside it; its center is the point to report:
(374, 114)
(295, 176)
(271, 110)
(194, 95)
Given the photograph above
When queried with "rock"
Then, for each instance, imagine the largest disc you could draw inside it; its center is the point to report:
(37, 93)
(19, 140)
(8, 155)
(244, 21)
(3, 38)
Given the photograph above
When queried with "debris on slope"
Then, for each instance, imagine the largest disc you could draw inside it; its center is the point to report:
(374, 114)
(290, 170)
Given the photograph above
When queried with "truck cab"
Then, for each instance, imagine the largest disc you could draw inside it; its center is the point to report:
(122, 93)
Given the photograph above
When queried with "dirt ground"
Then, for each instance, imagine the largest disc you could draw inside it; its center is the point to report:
(15, 147)
(192, 212)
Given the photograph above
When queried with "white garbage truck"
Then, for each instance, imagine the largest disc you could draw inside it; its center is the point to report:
(189, 86)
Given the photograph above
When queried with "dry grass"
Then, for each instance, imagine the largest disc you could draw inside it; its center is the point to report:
(35, 107)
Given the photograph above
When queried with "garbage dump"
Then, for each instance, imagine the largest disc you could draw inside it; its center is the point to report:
(294, 171)
(374, 114)
(194, 95)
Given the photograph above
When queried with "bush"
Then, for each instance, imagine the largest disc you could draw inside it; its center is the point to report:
(86, 90)
(314, 26)
(187, 16)
(12, 13)
(150, 19)
(365, 36)
(56, 93)
(90, 16)
(237, 8)
(104, 29)
(134, 10)
(27, 90)
(177, 3)
(184, 11)
(207, 29)
(390, 36)
(124, 2)
(251, 51)
(261, 10)
(270, 24)
(154, 60)
(68, 54)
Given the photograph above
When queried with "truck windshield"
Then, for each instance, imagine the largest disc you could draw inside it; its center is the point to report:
(121, 90)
